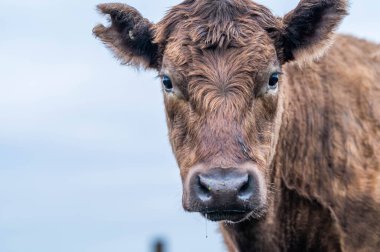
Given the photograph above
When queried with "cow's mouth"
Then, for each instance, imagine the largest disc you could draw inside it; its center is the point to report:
(227, 215)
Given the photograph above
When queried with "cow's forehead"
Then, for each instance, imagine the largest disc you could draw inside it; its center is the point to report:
(203, 34)
(254, 53)
(220, 71)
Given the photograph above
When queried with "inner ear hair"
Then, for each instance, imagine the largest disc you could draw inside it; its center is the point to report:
(309, 29)
(130, 36)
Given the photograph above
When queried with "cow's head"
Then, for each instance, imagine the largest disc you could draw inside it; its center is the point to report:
(220, 64)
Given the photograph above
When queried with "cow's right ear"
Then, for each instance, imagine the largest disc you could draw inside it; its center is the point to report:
(130, 36)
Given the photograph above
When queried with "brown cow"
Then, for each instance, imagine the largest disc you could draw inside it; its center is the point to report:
(276, 137)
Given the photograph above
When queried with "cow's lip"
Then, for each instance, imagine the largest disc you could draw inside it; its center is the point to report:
(226, 215)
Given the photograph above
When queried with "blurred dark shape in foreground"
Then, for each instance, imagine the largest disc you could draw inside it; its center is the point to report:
(159, 246)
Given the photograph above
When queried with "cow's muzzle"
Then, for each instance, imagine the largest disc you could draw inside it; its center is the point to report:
(225, 194)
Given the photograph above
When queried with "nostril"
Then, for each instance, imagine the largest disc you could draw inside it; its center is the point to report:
(246, 189)
(203, 189)
(245, 185)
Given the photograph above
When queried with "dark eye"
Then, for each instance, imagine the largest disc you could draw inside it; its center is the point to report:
(166, 81)
(273, 81)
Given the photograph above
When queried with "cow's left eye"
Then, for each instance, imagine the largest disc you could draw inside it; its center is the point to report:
(273, 81)
(167, 82)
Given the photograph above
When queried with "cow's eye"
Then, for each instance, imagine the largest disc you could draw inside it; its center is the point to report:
(166, 81)
(273, 81)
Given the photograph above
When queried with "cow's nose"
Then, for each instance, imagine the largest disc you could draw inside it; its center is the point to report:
(227, 185)
(220, 193)
(229, 194)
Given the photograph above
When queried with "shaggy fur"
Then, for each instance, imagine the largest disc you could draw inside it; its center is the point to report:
(315, 139)
(326, 169)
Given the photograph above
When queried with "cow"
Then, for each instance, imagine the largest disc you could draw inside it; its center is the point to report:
(274, 121)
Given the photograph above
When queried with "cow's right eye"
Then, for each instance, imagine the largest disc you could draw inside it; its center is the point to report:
(168, 85)
(273, 81)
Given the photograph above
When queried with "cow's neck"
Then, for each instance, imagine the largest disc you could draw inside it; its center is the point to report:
(294, 224)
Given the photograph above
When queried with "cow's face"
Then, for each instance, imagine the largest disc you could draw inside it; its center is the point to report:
(223, 106)
(220, 66)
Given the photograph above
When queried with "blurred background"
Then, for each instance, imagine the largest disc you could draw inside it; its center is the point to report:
(85, 163)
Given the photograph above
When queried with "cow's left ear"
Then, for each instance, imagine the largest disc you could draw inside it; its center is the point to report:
(130, 36)
(309, 29)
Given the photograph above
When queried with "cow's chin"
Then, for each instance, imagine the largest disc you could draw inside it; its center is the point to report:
(227, 216)
(235, 216)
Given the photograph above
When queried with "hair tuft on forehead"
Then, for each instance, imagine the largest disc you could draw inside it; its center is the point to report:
(215, 23)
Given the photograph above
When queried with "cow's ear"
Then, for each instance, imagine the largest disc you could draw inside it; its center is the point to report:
(309, 29)
(130, 36)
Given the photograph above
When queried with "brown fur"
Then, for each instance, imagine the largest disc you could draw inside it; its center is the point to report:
(326, 169)
(315, 140)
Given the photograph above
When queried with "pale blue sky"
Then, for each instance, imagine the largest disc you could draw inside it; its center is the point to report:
(85, 163)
